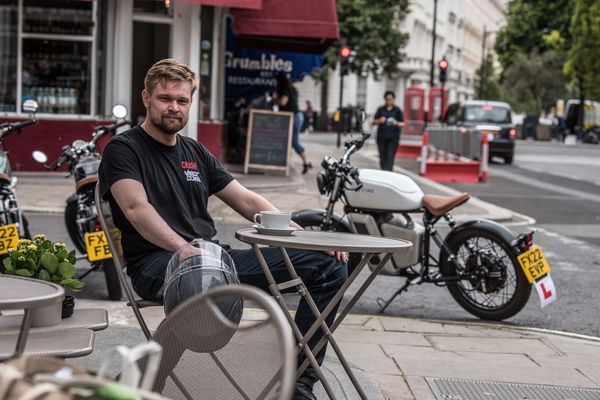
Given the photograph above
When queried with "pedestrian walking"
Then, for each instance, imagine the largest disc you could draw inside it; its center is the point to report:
(389, 119)
(287, 96)
(308, 118)
(158, 183)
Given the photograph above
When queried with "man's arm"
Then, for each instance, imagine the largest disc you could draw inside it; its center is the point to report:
(133, 201)
(245, 202)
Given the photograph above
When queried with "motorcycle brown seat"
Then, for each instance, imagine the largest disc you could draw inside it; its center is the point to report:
(84, 182)
(440, 205)
(5, 177)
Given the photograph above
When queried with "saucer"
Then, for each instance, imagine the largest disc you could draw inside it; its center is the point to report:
(274, 231)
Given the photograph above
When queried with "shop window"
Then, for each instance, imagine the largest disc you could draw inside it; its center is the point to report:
(58, 42)
(63, 17)
(8, 54)
(58, 74)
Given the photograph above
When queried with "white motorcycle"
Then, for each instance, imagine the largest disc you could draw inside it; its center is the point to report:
(477, 259)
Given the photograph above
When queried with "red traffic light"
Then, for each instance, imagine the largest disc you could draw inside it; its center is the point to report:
(443, 64)
(345, 52)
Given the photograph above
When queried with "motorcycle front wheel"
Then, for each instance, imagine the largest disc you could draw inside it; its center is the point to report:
(494, 286)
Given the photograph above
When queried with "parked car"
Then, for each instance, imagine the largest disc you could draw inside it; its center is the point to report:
(493, 118)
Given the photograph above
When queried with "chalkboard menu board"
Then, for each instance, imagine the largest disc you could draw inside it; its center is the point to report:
(268, 141)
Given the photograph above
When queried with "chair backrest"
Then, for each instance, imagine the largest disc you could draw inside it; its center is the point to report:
(208, 356)
(113, 236)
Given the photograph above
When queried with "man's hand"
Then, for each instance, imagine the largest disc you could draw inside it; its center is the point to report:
(339, 255)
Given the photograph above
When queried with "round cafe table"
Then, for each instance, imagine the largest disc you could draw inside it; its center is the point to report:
(369, 246)
(26, 294)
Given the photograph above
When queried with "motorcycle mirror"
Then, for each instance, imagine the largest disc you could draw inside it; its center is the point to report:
(30, 106)
(119, 111)
(39, 156)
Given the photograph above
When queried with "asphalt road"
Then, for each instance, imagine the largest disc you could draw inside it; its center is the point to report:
(566, 214)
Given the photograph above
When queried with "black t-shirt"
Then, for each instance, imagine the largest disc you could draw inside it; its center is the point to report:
(177, 179)
(292, 104)
(386, 131)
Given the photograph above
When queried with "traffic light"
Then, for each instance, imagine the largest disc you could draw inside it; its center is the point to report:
(443, 65)
(344, 60)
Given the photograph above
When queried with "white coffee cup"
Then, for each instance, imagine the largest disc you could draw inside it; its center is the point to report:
(273, 219)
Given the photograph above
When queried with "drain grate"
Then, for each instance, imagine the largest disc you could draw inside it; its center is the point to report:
(465, 389)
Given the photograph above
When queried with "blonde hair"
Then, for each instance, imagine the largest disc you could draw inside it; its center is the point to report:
(169, 69)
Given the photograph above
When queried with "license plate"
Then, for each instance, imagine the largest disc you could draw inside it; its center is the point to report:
(534, 264)
(9, 237)
(97, 246)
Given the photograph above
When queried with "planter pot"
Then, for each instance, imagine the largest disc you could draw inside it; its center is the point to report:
(47, 315)
(68, 305)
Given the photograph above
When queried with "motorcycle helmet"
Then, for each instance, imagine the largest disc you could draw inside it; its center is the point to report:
(193, 269)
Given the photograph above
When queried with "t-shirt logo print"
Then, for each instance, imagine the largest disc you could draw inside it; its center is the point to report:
(190, 169)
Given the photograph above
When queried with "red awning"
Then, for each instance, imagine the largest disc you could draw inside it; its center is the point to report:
(246, 4)
(301, 26)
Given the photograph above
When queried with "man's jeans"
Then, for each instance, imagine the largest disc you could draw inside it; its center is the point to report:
(322, 274)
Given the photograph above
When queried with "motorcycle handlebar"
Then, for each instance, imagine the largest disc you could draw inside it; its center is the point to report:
(18, 126)
(109, 128)
(23, 124)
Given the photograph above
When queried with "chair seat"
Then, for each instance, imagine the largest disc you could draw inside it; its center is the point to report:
(95, 319)
(66, 343)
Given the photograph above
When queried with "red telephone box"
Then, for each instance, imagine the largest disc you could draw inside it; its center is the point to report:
(437, 103)
(414, 111)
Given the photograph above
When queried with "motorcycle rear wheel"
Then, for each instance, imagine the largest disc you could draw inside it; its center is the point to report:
(71, 224)
(315, 223)
(500, 289)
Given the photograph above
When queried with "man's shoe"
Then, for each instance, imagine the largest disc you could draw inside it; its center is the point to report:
(302, 391)
(306, 167)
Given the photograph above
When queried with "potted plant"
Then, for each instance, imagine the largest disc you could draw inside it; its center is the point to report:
(42, 259)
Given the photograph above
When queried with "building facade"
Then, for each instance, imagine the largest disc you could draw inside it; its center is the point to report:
(465, 30)
(79, 58)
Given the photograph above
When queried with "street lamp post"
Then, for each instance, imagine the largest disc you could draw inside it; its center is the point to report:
(431, 72)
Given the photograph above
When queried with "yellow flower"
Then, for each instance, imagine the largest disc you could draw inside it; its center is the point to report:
(32, 247)
(59, 245)
(24, 241)
(40, 237)
(21, 258)
(11, 249)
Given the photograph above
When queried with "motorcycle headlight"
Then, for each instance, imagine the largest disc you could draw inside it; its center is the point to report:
(321, 182)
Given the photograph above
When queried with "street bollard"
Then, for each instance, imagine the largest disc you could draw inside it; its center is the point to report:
(483, 163)
(424, 145)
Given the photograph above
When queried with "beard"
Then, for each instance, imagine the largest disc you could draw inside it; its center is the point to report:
(167, 125)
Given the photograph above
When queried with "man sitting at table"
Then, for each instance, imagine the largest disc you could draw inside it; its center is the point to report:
(158, 183)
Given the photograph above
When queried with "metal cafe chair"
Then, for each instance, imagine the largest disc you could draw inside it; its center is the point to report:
(206, 355)
(210, 354)
(113, 237)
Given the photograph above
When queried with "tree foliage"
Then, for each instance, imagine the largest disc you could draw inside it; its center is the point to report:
(534, 25)
(533, 82)
(370, 28)
(491, 89)
(583, 57)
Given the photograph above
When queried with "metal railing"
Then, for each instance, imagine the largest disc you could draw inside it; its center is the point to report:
(462, 142)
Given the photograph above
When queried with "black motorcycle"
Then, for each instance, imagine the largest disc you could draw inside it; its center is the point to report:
(81, 217)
